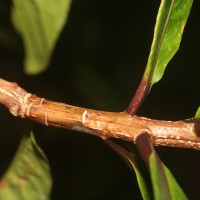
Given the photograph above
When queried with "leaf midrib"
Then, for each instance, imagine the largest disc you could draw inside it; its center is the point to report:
(161, 41)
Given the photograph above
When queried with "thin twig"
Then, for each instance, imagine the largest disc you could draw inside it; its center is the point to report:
(102, 124)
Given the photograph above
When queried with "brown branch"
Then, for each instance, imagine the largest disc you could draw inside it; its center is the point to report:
(102, 124)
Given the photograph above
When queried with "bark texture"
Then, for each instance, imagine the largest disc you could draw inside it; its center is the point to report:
(121, 125)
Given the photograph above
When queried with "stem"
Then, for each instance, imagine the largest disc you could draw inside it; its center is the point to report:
(139, 97)
(102, 124)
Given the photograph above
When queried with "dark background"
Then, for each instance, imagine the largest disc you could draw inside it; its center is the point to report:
(98, 63)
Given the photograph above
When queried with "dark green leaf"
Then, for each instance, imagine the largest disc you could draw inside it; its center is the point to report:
(158, 178)
(39, 23)
(130, 158)
(175, 189)
(28, 177)
(164, 184)
(171, 19)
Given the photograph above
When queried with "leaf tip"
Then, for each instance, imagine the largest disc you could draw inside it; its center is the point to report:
(197, 115)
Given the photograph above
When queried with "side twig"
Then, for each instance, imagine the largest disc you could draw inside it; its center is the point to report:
(102, 124)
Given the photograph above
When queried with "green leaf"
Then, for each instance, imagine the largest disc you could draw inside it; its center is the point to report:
(171, 19)
(130, 158)
(28, 177)
(170, 23)
(158, 178)
(39, 22)
(164, 185)
(175, 189)
(197, 115)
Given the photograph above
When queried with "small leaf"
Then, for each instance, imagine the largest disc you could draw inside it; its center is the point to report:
(131, 161)
(164, 185)
(28, 177)
(197, 115)
(39, 22)
(171, 19)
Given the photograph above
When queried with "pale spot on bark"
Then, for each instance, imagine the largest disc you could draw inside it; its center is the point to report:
(84, 116)
(46, 119)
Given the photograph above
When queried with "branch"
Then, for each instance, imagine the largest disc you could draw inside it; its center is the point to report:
(102, 124)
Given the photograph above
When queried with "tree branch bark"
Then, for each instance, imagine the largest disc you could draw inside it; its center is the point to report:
(183, 134)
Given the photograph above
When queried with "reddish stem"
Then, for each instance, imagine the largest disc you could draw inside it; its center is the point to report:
(138, 98)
